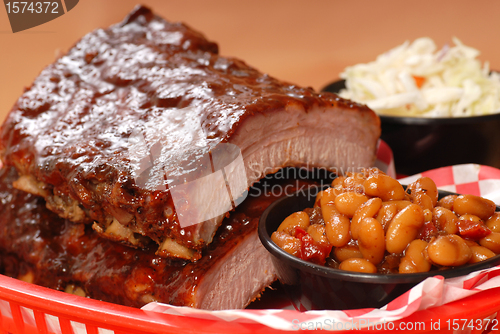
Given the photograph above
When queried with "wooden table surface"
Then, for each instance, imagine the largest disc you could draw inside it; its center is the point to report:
(304, 42)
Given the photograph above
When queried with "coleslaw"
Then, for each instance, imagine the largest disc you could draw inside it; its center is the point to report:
(416, 79)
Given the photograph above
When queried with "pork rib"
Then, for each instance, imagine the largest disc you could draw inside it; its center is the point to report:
(116, 132)
(38, 246)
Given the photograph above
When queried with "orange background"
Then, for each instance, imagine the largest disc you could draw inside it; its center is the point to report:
(305, 42)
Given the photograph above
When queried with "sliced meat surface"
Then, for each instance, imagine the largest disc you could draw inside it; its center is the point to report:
(144, 131)
(38, 246)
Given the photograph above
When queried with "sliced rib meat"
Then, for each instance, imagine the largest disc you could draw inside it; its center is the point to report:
(146, 132)
(38, 246)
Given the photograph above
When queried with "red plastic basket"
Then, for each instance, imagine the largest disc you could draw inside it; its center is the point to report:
(27, 308)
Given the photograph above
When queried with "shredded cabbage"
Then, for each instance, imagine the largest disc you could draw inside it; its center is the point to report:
(415, 79)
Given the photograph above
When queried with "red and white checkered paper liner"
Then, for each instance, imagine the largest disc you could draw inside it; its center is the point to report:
(432, 292)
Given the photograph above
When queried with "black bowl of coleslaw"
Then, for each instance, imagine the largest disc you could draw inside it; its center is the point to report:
(423, 143)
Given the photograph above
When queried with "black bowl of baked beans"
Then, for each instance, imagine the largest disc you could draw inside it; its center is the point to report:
(367, 239)
(424, 143)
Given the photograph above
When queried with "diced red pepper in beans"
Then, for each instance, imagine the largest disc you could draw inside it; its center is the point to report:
(472, 230)
(311, 250)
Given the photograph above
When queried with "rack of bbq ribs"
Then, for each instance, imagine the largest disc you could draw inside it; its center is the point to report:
(127, 162)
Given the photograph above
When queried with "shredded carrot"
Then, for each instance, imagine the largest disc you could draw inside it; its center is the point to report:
(419, 81)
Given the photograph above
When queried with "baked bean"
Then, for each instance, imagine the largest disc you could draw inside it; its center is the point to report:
(347, 203)
(480, 253)
(318, 233)
(493, 223)
(354, 182)
(384, 186)
(387, 211)
(447, 202)
(367, 172)
(404, 228)
(470, 217)
(445, 220)
(474, 205)
(328, 208)
(471, 243)
(338, 181)
(317, 201)
(296, 219)
(286, 242)
(358, 265)
(328, 196)
(449, 250)
(492, 242)
(371, 240)
(328, 211)
(424, 185)
(427, 215)
(346, 252)
(367, 210)
(424, 201)
(400, 205)
(355, 174)
(414, 260)
(337, 230)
